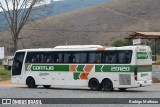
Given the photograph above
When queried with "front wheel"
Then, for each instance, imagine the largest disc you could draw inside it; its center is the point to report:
(31, 83)
(107, 85)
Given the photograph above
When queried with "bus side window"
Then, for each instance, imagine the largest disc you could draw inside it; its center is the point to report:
(124, 56)
(42, 58)
(49, 59)
(92, 57)
(54, 57)
(98, 57)
(77, 58)
(83, 57)
(71, 58)
(110, 57)
(60, 58)
(28, 58)
(31, 57)
(34, 60)
(121, 57)
(95, 57)
(66, 57)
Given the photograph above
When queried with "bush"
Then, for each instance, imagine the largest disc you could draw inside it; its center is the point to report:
(118, 43)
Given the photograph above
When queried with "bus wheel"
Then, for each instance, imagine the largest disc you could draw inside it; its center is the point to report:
(94, 85)
(31, 83)
(46, 86)
(107, 85)
(122, 89)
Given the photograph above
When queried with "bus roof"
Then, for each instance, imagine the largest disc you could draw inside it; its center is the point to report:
(78, 46)
(82, 47)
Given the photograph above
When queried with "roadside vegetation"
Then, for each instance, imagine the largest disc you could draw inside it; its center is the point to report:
(123, 42)
(4, 74)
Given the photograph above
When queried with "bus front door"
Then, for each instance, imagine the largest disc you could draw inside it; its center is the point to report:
(17, 67)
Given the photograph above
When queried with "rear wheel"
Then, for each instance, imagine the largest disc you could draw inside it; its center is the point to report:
(46, 86)
(122, 89)
(107, 85)
(31, 83)
(94, 85)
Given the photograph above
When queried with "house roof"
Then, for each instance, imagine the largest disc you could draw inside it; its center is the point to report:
(144, 35)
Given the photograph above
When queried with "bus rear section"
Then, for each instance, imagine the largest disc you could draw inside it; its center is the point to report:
(143, 69)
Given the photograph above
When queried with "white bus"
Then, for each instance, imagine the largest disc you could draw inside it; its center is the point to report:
(91, 66)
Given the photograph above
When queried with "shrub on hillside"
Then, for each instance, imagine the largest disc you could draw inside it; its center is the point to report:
(123, 42)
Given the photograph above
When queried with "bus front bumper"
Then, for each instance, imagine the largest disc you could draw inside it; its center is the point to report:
(143, 83)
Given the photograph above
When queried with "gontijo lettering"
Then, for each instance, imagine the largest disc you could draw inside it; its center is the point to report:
(42, 68)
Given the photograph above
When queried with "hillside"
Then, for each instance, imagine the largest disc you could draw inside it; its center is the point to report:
(101, 24)
(55, 8)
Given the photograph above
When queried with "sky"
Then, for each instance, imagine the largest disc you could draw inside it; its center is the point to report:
(10, 4)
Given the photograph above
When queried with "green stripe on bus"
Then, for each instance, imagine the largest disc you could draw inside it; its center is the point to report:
(98, 68)
(61, 68)
(114, 68)
(122, 68)
(76, 75)
(145, 68)
(37, 67)
(80, 68)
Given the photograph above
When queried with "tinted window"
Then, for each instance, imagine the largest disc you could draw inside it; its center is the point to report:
(41, 57)
(117, 57)
(83, 58)
(32, 57)
(59, 58)
(110, 57)
(94, 57)
(17, 63)
(75, 57)
(67, 58)
(124, 56)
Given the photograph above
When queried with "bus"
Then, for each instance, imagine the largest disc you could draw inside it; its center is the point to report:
(93, 66)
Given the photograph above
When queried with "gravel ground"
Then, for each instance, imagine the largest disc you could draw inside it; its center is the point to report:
(56, 92)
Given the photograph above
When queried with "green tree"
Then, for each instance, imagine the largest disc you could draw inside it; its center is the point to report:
(123, 42)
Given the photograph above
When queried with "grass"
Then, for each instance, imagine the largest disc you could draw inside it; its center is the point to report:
(4, 74)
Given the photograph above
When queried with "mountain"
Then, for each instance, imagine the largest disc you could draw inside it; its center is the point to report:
(70, 5)
(101, 24)
(55, 8)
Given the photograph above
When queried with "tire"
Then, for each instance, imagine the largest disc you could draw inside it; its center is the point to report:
(31, 83)
(95, 85)
(46, 86)
(107, 85)
(122, 89)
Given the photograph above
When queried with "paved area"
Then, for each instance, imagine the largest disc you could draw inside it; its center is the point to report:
(21, 91)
